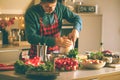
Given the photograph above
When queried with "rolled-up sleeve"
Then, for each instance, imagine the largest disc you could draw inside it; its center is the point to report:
(73, 18)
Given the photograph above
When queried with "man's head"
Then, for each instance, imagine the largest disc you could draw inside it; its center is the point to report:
(48, 5)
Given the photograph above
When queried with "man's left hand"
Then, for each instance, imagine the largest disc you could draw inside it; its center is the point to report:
(73, 35)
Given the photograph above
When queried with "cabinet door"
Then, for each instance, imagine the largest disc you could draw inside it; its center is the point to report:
(90, 35)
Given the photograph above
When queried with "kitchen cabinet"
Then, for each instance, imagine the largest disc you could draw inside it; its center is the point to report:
(91, 34)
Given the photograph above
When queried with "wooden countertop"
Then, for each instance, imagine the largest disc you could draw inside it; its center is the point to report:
(70, 75)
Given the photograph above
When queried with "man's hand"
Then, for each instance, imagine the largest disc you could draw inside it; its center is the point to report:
(73, 35)
(63, 41)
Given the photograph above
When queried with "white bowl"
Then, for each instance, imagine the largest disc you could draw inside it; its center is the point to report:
(93, 65)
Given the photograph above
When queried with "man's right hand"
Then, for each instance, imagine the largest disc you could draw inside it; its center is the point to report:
(63, 41)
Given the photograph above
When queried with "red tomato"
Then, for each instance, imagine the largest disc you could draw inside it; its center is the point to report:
(67, 68)
(95, 61)
(66, 63)
(74, 68)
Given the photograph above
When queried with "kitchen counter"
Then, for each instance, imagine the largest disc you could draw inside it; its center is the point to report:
(23, 45)
(13, 48)
(100, 74)
(9, 53)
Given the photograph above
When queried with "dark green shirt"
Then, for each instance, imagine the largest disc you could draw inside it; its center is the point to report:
(32, 24)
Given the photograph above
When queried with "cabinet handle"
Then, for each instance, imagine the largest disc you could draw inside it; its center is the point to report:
(94, 79)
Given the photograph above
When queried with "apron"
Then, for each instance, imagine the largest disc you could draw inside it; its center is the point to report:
(47, 30)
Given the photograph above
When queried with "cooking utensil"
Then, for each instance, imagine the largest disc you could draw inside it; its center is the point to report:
(42, 52)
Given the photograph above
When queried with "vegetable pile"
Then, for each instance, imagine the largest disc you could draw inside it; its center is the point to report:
(34, 64)
(96, 55)
(66, 64)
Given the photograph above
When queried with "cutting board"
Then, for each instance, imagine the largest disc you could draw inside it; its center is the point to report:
(114, 65)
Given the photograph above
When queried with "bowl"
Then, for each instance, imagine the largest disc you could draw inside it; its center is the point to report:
(93, 64)
(115, 60)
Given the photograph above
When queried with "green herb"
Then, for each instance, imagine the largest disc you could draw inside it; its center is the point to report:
(73, 53)
(95, 55)
(20, 67)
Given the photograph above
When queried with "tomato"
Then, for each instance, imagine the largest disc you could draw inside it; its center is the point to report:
(36, 64)
(74, 68)
(35, 61)
(67, 68)
(59, 66)
(92, 61)
(66, 63)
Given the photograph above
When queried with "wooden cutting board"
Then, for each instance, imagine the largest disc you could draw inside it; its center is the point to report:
(114, 65)
(42, 75)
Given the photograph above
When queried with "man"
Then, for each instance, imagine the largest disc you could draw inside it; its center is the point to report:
(43, 24)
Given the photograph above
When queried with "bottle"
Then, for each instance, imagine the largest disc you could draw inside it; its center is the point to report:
(96, 9)
(101, 47)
